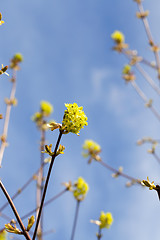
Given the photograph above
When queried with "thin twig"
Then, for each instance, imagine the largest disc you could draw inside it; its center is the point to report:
(40, 185)
(99, 235)
(144, 98)
(148, 78)
(119, 173)
(5, 216)
(22, 188)
(46, 184)
(45, 204)
(7, 117)
(149, 35)
(156, 157)
(143, 73)
(75, 219)
(25, 233)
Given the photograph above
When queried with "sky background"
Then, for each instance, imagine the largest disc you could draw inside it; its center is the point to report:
(68, 58)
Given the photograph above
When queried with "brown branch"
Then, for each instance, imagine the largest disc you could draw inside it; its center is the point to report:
(46, 184)
(25, 233)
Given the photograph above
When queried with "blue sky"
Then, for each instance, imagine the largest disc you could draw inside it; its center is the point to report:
(68, 58)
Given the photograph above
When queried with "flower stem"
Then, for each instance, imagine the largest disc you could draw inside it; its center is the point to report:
(99, 235)
(45, 204)
(46, 184)
(120, 173)
(75, 219)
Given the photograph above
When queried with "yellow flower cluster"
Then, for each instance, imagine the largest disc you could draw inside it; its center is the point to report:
(1, 21)
(118, 37)
(46, 108)
(3, 235)
(128, 75)
(17, 58)
(106, 220)
(91, 149)
(80, 189)
(126, 69)
(74, 119)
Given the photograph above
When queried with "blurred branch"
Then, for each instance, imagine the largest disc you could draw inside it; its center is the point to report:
(75, 219)
(7, 117)
(145, 99)
(22, 188)
(45, 204)
(149, 35)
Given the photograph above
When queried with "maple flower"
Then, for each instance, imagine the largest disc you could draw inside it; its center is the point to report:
(74, 119)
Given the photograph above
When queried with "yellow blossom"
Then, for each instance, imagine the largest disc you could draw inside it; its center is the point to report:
(3, 235)
(17, 58)
(106, 220)
(80, 189)
(1, 22)
(126, 69)
(91, 149)
(46, 108)
(118, 37)
(74, 119)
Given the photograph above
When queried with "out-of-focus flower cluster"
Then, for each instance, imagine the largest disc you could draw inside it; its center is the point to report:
(119, 40)
(78, 188)
(91, 149)
(1, 21)
(45, 111)
(128, 75)
(105, 220)
(17, 58)
(3, 235)
(74, 119)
